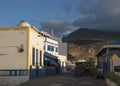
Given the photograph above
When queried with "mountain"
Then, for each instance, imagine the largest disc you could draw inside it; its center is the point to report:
(81, 41)
(84, 36)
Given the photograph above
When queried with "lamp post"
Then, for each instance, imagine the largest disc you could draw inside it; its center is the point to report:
(92, 51)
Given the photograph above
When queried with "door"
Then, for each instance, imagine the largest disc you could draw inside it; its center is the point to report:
(37, 66)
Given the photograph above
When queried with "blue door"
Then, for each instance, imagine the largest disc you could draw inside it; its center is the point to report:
(37, 67)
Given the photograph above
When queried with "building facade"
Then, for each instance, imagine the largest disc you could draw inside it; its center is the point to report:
(27, 53)
(21, 54)
(51, 53)
(108, 58)
(62, 53)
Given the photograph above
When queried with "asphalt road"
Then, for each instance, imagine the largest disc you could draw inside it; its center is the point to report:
(66, 79)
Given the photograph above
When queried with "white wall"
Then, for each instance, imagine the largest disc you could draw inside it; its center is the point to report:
(37, 42)
(10, 41)
(62, 60)
(51, 42)
(62, 52)
(62, 46)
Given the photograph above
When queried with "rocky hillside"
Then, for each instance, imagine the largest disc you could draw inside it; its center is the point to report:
(85, 43)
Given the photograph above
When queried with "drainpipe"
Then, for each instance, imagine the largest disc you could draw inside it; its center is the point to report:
(108, 61)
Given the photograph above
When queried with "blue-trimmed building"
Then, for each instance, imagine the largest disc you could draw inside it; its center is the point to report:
(62, 52)
(27, 53)
(21, 54)
(51, 54)
(108, 58)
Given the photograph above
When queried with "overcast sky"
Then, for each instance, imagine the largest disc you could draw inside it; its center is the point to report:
(63, 16)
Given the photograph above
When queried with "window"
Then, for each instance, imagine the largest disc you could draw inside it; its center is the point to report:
(56, 49)
(50, 48)
(40, 58)
(33, 56)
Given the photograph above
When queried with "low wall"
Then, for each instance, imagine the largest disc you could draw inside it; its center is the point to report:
(13, 80)
(13, 77)
(117, 73)
(110, 83)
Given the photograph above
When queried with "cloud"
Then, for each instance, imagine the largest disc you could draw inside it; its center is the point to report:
(96, 14)
(60, 28)
(104, 14)
(67, 7)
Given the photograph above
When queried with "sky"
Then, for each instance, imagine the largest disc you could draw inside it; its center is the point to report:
(63, 16)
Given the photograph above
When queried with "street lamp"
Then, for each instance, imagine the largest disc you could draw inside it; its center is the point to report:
(91, 50)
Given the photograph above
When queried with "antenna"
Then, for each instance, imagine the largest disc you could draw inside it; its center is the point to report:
(52, 33)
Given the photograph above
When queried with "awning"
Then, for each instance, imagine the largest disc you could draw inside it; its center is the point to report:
(50, 56)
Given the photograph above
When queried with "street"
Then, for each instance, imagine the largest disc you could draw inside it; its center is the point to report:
(66, 79)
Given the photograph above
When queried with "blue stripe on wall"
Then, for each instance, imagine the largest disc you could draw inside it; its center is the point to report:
(13, 72)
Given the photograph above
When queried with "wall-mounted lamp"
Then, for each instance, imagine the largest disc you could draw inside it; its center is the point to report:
(21, 49)
(39, 35)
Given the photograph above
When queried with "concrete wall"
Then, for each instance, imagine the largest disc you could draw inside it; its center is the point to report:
(114, 61)
(13, 62)
(62, 60)
(62, 46)
(13, 80)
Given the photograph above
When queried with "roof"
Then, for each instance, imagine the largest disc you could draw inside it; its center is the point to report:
(50, 56)
(115, 43)
(112, 45)
(82, 60)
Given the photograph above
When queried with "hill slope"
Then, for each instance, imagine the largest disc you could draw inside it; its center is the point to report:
(81, 41)
(84, 36)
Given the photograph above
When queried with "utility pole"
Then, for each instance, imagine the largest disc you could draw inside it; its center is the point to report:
(92, 51)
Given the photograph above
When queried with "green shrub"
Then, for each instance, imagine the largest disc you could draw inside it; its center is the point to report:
(113, 77)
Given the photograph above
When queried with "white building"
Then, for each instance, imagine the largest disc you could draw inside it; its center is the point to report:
(51, 46)
(24, 52)
(51, 54)
(21, 54)
(62, 52)
(55, 47)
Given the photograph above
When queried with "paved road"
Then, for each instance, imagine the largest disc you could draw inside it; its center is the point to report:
(65, 80)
